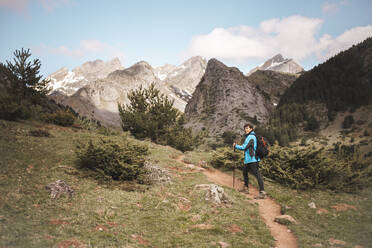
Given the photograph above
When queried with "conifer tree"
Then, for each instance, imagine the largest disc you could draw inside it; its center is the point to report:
(24, 75)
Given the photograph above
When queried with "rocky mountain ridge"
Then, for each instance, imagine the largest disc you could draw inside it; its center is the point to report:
(279, 64)
(68, 82)
(98, 98)
(224, 100)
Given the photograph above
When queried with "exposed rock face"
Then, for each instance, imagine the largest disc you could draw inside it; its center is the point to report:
(271, 85)
(179, 82)
(279, 64)
(99, 99)
(68, 82)
(94, 90)
(224, 100)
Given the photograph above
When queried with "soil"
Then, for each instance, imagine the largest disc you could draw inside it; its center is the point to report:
(268, 208)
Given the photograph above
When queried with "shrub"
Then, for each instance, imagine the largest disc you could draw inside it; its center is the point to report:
(39, 133)
(61, 118)
(228, 137)
(348, 122)
(225, 157)
(113, 158)
(312, 124)
(308, 168)
(12, 111)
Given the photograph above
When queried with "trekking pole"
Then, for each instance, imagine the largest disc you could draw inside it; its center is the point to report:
(234, 172)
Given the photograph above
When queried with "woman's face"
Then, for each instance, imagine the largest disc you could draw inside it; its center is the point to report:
(247, 130)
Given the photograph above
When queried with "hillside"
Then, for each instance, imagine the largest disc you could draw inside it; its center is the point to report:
(105, 213)
(341, 83)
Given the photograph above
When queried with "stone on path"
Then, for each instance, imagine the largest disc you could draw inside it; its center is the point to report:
(285, 219)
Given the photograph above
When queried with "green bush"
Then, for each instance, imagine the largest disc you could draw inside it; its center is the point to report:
(12, 111)
(61, 118)
(113, 158)
(306, 168)
(39, 133)
(312, 124)
(227, 158)
(229, 137)
(348, 122)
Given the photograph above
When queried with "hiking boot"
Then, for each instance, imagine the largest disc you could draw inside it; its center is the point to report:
(244, 190)
(261, 195)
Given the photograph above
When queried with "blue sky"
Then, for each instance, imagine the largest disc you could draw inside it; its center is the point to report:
(67, 33)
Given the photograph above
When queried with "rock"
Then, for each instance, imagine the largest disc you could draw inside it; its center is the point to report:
(322, 211)
(343, 207)
(225, 99)
(285, 219)
(223, 244)
(203, 226)
(312, 205)
(333, 241)
(155, 175)
(59, 188)
(317, 245)
(214, 193)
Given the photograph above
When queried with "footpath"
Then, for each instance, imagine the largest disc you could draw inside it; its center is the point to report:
(268, 208)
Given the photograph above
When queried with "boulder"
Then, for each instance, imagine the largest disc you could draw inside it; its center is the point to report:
(214, 193)
(285, 219)
(59, 188)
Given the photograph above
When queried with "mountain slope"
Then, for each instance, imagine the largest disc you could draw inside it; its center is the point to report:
(224, 100)
(342, 82)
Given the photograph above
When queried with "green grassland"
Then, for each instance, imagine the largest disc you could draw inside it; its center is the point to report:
(126, 214)
(109, 214)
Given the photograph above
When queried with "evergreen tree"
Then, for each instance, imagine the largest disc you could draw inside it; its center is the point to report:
(24, 76)
(152, 115)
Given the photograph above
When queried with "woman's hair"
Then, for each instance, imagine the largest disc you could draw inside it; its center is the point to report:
(248, 125)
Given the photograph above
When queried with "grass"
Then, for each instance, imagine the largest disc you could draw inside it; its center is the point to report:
(332, 219)
(104, 214)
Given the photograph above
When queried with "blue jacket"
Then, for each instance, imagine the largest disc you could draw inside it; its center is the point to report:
(249, 146)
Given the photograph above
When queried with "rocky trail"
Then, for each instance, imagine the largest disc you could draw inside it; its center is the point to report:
(268, 208)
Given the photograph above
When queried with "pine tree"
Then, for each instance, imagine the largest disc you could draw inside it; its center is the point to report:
(24, 75)
(152, 115)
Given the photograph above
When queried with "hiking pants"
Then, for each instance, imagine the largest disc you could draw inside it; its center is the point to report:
(253, 168)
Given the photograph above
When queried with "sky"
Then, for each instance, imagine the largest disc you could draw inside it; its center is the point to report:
(239, 33)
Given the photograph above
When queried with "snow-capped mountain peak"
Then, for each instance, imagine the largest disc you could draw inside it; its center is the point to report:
(279, 64)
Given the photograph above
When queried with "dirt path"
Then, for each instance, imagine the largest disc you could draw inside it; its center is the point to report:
(268, 208)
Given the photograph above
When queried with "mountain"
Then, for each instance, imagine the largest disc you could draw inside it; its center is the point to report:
(343, 82)
(68, 82)
(224, 100)
(272, 85)
(279, 64)
(98, 96)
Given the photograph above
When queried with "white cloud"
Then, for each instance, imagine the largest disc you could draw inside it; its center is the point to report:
(331, 8)
(85, 49)
(294, 37)
(329, 46)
